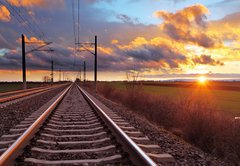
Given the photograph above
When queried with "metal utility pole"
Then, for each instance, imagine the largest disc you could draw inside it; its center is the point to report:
(24, 63)
(95, 64)
(84, 71)
(24, 53)
(85, 47)
(59, 75)
(80, 74)
(52, 71)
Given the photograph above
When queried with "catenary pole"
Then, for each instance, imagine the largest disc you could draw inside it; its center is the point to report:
(24, 63)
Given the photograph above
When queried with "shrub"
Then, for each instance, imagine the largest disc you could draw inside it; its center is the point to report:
(196, 116)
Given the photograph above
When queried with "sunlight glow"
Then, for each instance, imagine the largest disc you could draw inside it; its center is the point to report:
(202, 79)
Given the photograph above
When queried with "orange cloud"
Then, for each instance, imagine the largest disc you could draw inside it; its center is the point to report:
(188, 25)
(105, 50)
(114, 41)
(227, 28)
(31, 39)
(39, 3)
(4, 14)
(158, 52)
(206, 59)
(28, 3)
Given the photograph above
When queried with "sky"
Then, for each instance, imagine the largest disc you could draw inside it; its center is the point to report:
(158, 38)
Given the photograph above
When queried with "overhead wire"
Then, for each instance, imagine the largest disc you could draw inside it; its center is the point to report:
(14, 14)
(74, 32)
(30, 25)
(34, 22)
(24, 21)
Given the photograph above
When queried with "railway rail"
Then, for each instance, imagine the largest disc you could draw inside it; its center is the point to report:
(78, 129)
(14, 95)
(4, 94)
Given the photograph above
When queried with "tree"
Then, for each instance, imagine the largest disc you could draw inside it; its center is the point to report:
(46, 79)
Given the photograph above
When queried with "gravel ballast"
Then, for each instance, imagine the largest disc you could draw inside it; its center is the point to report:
(13, 114)
(183, 152)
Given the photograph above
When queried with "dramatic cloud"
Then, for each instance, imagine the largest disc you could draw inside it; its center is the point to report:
(156, 53)
(38, 3)
(31, 39)
(4, 14)
(188, 25)
(160, 53)
(183, 41)
(226, 28)
(206, 60)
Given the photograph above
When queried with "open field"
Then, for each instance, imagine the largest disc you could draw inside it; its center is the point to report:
(225, 95)
(200, 115)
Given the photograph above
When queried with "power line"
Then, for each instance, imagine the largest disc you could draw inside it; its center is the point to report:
(24, 21)
(78, 19)
(74, 32)
(41, 33)
(22, 16)
(24, 13)
(9, 7)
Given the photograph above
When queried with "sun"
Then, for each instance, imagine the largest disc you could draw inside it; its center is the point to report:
(202, 79)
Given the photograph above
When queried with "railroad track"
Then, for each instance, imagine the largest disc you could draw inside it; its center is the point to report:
(76, 129)
(14, 96)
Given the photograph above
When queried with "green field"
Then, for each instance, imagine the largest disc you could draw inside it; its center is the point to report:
(228, 101)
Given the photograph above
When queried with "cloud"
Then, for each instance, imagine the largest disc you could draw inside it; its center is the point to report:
(156, 53)
(122, 47)
(226, 28)
(207, 60)
(105, 50)
(4, 43)
(4, 14)
(31, 39)
(231, 19)
(128, 20)
(37, 3)
(188, 25)
(95, 1)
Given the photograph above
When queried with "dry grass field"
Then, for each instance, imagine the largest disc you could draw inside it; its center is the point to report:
(201, 115)
(225, 95)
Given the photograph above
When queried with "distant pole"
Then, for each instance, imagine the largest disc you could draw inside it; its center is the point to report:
(52, 71)
(80, 74)
(59, 75)
(95, 64)
(84, 71)
(24, 63)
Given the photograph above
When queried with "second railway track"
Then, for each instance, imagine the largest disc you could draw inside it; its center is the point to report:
(16, 96)
(75, 133)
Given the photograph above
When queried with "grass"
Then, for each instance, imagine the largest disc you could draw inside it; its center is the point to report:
(195, 116)
(227, 101)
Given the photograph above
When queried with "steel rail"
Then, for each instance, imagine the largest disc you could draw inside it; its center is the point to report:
(26, 90)
(9, 156)
(23, 94)
(21, 91)
(138, 156)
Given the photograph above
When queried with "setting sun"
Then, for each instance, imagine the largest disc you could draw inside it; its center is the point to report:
(202, 79)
